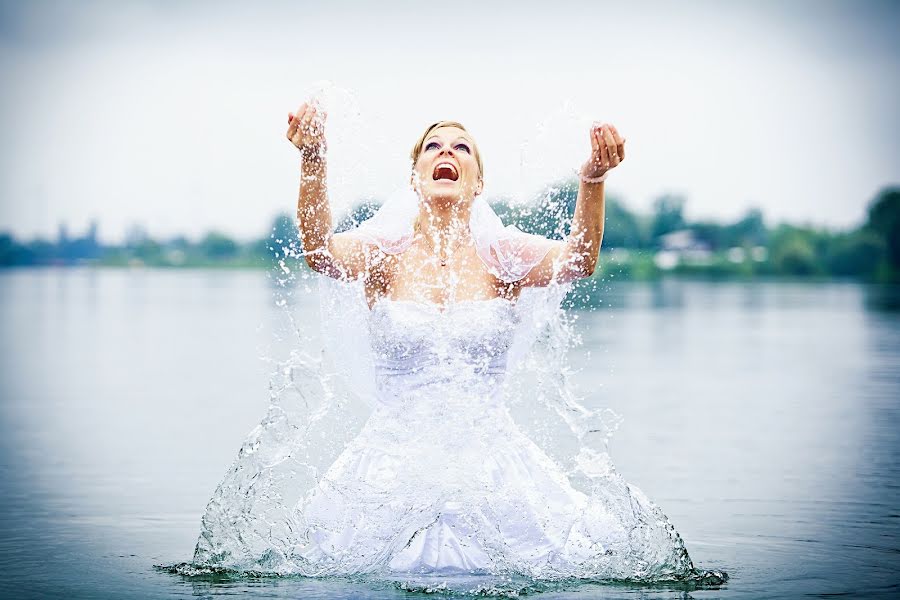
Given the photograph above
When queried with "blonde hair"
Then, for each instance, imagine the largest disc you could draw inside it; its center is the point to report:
(417, 148)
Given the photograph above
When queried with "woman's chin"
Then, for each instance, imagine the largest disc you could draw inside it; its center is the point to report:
(443, 193)
(446, 192)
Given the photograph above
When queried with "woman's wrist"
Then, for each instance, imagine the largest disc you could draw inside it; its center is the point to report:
(589, 173)
(312, 158)
(312, 165)
(313, 151)
(588, 179)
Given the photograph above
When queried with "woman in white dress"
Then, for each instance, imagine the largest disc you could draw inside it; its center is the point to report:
(439, 480)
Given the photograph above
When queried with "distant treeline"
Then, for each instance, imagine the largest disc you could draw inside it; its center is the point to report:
(634, 245)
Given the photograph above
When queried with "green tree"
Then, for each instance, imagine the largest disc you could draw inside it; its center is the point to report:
(217, 246)
(360, 213)
(884, 219)
(11, 252)
(550, 216)
(148, 251)
(712, 234)
(793, 252)
(750, 230)
(622, 228)
(856, 254)
(41, 251)
(284, 239)
(668, 216)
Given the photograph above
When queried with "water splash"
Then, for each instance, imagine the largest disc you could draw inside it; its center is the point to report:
(327, 485)
(350, 137)
(461, 586)
(555, 151)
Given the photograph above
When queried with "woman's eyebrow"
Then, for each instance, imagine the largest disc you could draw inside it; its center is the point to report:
(436, 138)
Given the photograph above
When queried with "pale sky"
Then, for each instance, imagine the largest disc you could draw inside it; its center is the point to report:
(172, 114)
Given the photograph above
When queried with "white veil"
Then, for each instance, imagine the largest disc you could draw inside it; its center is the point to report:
(508, 252)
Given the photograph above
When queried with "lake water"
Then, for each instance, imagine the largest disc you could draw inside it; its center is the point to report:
(763, 418)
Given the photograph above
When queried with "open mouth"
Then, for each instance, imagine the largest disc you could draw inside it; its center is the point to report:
(446, 171)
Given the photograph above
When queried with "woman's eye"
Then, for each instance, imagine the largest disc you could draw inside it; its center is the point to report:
(432, 146)
(463, 147)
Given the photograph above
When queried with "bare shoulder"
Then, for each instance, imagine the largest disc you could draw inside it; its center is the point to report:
(347, 256)
(539, 262)
(380, 270)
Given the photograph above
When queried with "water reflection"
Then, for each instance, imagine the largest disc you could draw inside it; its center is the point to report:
(882, 298)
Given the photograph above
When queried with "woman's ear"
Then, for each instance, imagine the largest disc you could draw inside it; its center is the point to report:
(413, 176)
(480, 187)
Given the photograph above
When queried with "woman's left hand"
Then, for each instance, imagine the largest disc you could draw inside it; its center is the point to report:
(607, 151)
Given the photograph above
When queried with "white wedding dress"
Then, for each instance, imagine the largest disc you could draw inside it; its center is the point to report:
(441, 480)
(433, 477)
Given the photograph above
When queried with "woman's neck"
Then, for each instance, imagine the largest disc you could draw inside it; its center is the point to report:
(443, 225)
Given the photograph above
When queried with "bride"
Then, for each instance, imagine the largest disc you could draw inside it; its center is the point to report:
(439, 479)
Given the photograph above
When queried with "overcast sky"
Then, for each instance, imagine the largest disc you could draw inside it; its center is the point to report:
(172, 114)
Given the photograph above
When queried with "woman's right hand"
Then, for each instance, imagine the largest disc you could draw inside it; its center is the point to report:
(306, 130)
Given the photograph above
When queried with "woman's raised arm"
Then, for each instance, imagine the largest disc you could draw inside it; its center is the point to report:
(336, 255)
(577, 255)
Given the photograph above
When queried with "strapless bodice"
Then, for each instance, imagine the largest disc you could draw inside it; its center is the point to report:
(458, 352)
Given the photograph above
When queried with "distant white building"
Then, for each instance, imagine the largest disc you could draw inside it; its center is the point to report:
(682, 247)
(737, 254)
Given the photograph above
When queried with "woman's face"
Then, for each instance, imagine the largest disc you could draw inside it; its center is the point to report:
(447, 169)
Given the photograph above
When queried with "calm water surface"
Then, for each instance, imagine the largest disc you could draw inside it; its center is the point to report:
(764, 418)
